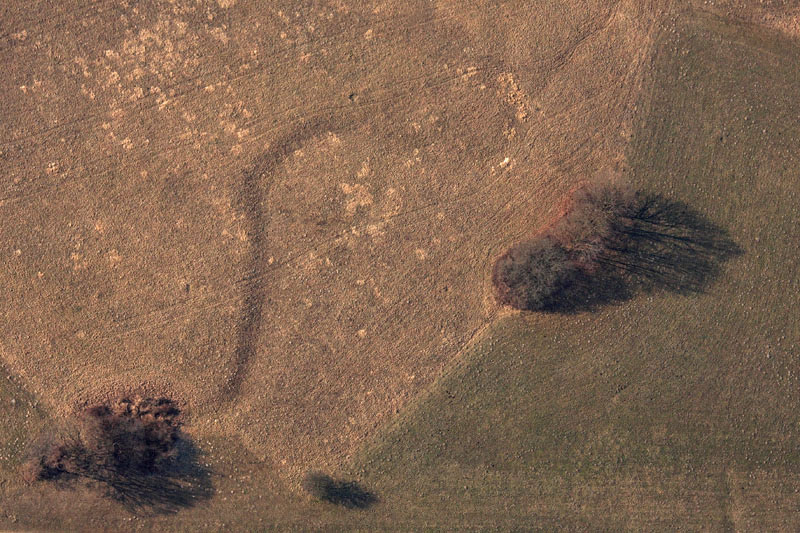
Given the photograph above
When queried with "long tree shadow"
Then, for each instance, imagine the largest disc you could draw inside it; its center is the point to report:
(182, 483)
(132, 452)
(665, 245)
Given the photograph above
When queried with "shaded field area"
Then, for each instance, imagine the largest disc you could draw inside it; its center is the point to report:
(677, 407)
(667, 246)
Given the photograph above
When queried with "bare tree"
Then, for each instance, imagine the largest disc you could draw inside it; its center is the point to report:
(532, 274)
(135, 448)
(528, 275)
(595, 221)
(611, 242)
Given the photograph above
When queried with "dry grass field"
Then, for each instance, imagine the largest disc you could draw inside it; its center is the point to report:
(284, 216)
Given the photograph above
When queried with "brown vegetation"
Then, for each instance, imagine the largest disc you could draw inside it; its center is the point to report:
(532, 273)
(597, 217)
(134, 448)
(610, 242)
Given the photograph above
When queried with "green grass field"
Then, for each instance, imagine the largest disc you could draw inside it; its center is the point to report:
(665, 411)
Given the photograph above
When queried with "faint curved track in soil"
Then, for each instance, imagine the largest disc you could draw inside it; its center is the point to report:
(252, 195)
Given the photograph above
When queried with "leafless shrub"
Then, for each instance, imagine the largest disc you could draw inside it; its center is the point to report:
(595, 221)
(529, 274)
(134, 448)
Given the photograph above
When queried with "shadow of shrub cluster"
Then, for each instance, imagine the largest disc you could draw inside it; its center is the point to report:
(134, 450)
(610, 244)
(347, 494)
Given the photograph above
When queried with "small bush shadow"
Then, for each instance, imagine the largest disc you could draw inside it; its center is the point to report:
(665, 245)
(347, 494)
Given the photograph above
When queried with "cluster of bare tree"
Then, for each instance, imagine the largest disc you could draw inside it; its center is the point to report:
(532, 274)
(133, 448)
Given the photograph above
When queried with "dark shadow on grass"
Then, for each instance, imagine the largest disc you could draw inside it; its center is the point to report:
(131, 450)
(664, 246)
(347, 494)
(182, 483)
(179, 483)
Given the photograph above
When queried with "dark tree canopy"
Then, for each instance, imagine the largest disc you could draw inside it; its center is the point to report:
(533, 273)
(530, 273)
(597, 217)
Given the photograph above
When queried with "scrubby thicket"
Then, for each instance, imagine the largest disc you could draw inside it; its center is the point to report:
(111, 440)
(596, 222)
(532, 274)
(134, 448)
